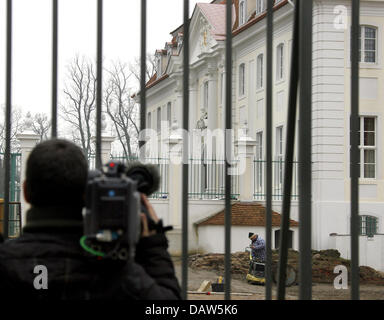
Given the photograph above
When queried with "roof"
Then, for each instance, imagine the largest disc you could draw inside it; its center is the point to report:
(215, 14)
(245, 214)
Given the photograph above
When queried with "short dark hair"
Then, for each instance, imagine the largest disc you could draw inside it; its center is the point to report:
(56, 174)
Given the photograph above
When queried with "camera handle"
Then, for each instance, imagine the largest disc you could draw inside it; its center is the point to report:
(152, 225)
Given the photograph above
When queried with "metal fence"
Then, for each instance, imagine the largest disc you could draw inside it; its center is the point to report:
(277, 180)
(14, 183)
(301, 78)
(207, 180)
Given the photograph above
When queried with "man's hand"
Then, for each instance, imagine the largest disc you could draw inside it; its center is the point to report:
(144, 220)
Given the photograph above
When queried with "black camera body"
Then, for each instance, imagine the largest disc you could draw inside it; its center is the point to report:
(112, 206)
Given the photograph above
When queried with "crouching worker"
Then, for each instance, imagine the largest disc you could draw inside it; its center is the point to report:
(48, 262)
(258, 247)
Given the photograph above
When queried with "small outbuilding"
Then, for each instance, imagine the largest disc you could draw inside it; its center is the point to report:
(246, 217)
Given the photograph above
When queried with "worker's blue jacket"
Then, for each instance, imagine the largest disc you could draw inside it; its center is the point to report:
(258, 249)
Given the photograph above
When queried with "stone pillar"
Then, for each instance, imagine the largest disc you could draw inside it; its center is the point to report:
(192, 104)
(106, 147)
(28, 140)
(246, 148)
(212, 168)
(175, 175)
(178, 110)
(212, 103)
(175, 189)
(106, 142)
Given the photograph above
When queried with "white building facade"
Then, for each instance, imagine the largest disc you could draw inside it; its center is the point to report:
(331, 112)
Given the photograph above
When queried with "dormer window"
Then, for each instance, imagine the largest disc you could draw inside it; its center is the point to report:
(260, 6)
(242, 12)
(158, 66)
(179, 41)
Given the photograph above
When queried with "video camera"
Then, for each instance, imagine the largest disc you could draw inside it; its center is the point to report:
(112, 209)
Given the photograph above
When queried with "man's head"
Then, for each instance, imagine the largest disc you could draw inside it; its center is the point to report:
(56, 174)
(252, 236)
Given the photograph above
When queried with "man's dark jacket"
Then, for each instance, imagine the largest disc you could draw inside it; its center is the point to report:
(75, 274)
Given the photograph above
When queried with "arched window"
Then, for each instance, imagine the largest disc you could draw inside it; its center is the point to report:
(259, 71)
(158, 119)
(242, 79)
(205, 95)
(368, 44)
(368, 225)
(242, 12)
(149, 121)
(280, 62)
(158, 67)
(169, 114)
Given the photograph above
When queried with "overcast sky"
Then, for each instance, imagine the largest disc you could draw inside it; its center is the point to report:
(77, 35)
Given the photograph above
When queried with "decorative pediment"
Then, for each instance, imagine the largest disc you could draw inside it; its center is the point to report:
(205, 35)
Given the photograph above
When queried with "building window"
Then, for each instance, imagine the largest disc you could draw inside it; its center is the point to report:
(280, 62)
(259, 145)
(242, 12)
(279, 156)
(367, 146)
(169, 115)
(158, 67)
(205, 93)
(259, 72)
(259, 163)
(259, 6)
(260, 109)
(277, 239)
(279, 142)
(368, 226)
(242, 79)
(158, 119)
(222, 88)
(368, 44)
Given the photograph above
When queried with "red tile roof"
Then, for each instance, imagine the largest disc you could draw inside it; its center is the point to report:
(215, 14)
(246, 214)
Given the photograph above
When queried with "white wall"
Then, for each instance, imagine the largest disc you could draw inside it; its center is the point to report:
(371, 250)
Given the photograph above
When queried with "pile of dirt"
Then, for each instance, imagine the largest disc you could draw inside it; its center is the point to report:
(323, 264)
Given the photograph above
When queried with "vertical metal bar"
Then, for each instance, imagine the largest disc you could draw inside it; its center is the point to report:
(305, 148)
(289, 152)
(268, 178)
(54, 67)
(228, 145)
(8, 103)
(99, 75)
(355, 149)
(185, 149)
(143, 48)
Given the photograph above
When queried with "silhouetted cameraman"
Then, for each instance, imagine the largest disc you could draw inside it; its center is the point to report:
(56, 177)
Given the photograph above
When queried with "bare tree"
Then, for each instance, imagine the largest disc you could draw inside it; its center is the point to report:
(16, 127)
(80, 101)
(121, 108)
(41, 125)
(149, 71)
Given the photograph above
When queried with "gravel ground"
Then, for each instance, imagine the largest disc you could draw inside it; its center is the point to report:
(320, 291)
